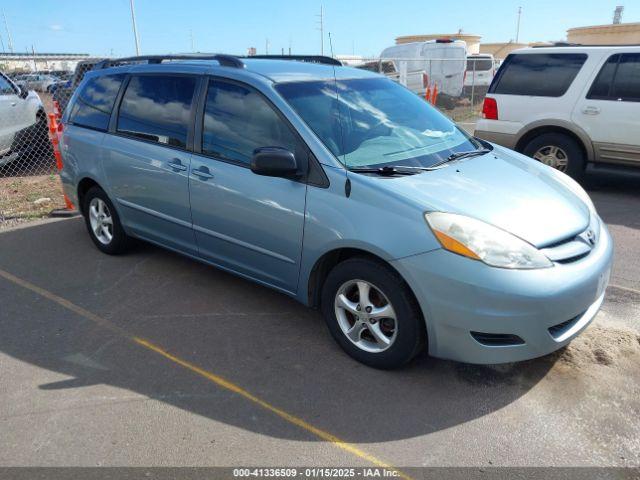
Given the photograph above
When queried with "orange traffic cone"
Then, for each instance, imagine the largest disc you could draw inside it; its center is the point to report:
(55, 142)
(435, 94)
(427, 94)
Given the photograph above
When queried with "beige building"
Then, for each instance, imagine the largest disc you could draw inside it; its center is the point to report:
(27, 62)
(613, 34)
(502, 49)
(473, 41)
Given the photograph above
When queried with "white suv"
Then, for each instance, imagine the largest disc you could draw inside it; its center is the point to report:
(567, 106)
(23, 122)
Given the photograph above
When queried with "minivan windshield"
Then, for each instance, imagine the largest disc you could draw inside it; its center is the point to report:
(374, 122)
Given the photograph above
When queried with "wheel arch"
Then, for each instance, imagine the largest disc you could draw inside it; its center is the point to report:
(83, 187)
(536, 130)
(330, 259)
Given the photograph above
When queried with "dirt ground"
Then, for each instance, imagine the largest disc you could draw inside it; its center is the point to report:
(27, 198)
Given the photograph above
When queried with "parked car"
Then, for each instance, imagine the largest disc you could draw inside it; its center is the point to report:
(63, 91)
(480, 72)
(435, 62)
(61, 79)
(344, 190)
(23, 122)
(35, 81)
(567, 106)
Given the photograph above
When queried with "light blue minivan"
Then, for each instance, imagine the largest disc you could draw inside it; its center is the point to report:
(345, 190)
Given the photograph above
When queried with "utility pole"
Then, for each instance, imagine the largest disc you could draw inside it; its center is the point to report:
(518, 27)
(6, 26)
(266, 46)
(191, 38)
(135, 28)
(321, 20)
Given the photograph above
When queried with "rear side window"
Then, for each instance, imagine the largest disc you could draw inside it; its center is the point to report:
(157, 108)
(601, 87)
(237, 120)
(479, 64)
(538, 74)
(619, 79)
(95, 101)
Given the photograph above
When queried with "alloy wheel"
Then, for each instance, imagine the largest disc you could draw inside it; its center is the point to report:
(101, 220)
(365, 316)
(553, 156)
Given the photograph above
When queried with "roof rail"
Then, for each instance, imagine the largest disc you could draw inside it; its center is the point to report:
(301, 58)
(222, 59)
(560, 44)
(587, 45)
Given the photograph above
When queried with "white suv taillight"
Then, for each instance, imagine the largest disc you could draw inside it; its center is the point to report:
(490, 109)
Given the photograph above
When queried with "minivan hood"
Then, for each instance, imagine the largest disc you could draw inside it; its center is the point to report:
(505, 189)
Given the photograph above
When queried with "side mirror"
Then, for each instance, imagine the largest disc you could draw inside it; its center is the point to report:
(274, 162)
(24, 93)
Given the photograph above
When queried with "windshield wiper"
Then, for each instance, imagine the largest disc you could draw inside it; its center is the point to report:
(390, 170)
(461, 155)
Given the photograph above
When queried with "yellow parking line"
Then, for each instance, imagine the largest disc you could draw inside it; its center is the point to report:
(626, 289)
(216, 379)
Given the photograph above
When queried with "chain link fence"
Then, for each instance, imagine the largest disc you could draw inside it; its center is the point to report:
(456, 86)
(30, 105)
(29, 183)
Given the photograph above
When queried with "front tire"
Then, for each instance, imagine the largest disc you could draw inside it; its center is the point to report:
(372, 314)
(103, 222)
(558, 151)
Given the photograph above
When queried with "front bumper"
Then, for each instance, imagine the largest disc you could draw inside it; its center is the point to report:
(459, 296)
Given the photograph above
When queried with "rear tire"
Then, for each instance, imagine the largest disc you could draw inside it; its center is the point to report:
(103, 222)
(387, 308)
(559, 151)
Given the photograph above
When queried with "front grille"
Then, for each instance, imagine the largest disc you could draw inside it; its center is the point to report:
(573, 259)
(574, 248)
(497, 339)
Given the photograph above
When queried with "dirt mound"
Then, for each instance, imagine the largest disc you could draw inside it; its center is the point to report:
(604, 345)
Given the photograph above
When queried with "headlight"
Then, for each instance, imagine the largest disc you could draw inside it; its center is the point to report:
(480, 241)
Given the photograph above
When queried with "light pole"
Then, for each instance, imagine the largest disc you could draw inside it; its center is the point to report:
(518, 27)
(6, 26)
(321, 20)
(135, 28)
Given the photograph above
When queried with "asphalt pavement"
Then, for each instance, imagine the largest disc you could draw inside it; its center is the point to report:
(153, 359)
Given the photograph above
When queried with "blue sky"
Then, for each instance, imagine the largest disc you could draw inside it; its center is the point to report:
(103, 27)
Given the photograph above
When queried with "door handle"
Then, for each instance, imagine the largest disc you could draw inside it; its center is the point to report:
(591, 110)
(202, 172)
(13, 104)
(177, 165)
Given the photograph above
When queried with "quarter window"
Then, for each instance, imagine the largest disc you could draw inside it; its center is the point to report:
(95, 101)
(157, 108)
(238, 120)
(538, 74)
